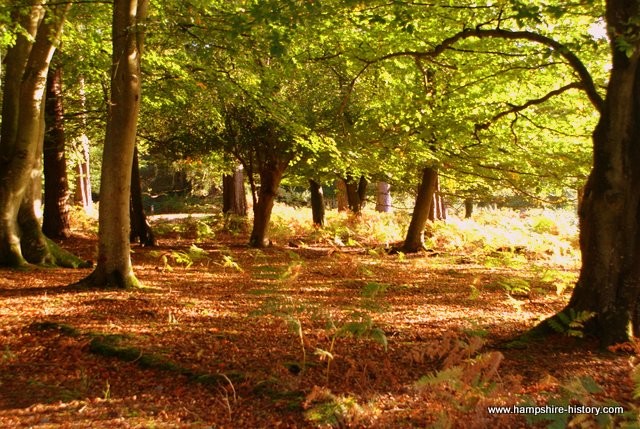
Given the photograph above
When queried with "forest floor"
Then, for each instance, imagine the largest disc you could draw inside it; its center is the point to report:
(297, 335)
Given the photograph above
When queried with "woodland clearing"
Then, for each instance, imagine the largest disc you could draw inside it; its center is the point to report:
(322, 329)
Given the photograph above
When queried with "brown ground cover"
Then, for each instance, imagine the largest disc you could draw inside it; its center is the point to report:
(296, 335)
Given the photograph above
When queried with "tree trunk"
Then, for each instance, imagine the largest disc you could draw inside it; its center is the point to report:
(22, 134)
(414, 240)
(140, 229)
(383, 197)
(270, 178)
(317, 203)
(362, 191)
(234, 198)
(437, 210)
(114, 268)
(356, 193)
(468, 208)
(55, 221)
(341, 195)
(609, 281)
(83, 180)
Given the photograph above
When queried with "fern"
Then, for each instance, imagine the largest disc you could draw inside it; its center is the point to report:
(571, 322)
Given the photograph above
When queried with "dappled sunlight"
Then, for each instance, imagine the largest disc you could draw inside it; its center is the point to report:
(270, 324)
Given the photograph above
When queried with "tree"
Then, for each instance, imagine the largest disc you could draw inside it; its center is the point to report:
(234, 198)
(140, 229)
(414, 240)
(383, 197)
(21, 237)
(55, 219)
(113, 267)
(609, 281)
(265, 150)
(317, 203)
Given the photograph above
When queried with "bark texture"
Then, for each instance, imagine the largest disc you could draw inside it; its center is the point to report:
(113, 267)
(609, 281)
(55, 220)
(21, 237)
(414, 240)
(270, 178)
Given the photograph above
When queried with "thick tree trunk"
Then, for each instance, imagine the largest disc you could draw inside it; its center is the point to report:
(269, 182)
(414, 240)
(55, 221)
(22, 133)
(234, 198)
(609, 281)
(317, 203)
(341, 195)
(140, 229)
(383, 197)
(114, 268)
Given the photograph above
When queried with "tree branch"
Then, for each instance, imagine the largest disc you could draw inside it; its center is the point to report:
(586, 80)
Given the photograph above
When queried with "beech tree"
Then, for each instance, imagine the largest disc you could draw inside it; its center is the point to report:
(609, 282)
(113, 267)
(55, 218)
(27, 64)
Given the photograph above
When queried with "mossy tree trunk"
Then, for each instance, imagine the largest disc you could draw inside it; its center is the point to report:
(609, 281)
(22, 133)
(114, 267)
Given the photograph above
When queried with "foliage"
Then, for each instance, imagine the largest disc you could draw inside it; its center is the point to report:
(587, 393)
(324, 408)
(571, 322)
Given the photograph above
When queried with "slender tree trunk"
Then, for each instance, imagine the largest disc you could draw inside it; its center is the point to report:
(140, 229)
(55, 221)
(362, 192)
(234, 198)
(22, 134)
(414, 240)
(437, 210)
(341, 195)
(227, 193)
(269, 182)
(317, 203)
(356, 193)
(83, 180)
(383, 197)
(114, 260)
(468, 208)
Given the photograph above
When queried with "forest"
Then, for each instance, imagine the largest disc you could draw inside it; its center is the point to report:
(306, 213)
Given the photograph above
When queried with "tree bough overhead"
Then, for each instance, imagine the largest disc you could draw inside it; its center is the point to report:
(114, 267)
